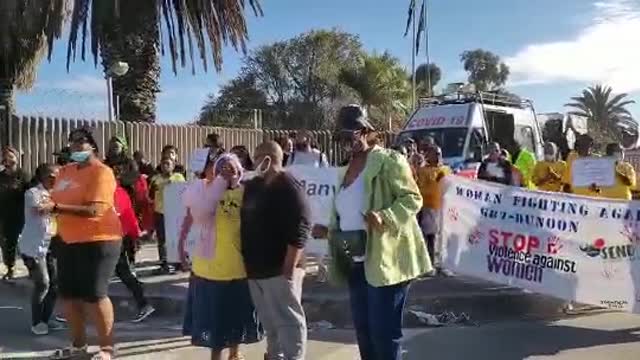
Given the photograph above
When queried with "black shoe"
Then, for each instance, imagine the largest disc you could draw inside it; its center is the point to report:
(9, 276)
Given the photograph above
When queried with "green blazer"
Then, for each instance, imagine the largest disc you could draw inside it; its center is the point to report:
(398, 253)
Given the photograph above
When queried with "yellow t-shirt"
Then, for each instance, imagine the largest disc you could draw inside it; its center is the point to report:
(542, 169)
(158, 183)
(567, 178)
(227, 263)
(430, 188)
(620, 190)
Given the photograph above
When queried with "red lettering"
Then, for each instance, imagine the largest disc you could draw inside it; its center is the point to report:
(505, 237)
(519, 242)
(493, 237)
(516, 241)
(534, 243)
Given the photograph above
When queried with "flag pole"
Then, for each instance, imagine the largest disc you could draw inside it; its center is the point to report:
(426, 45)
(413, 60)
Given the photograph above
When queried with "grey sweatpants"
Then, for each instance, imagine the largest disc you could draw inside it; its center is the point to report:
(278, 302)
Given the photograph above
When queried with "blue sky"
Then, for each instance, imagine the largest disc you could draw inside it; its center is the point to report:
(554, 48)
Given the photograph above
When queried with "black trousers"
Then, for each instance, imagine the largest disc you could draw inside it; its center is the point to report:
(158, 220)
(430, 239)
(10, 231)
(123, 272)
(43, 272)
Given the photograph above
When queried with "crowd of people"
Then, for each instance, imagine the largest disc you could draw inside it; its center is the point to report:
(84, 217)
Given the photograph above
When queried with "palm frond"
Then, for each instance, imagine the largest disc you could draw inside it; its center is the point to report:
(27, 32)
(209, 24)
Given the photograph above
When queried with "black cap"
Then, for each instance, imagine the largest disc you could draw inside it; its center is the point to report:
(353, 117)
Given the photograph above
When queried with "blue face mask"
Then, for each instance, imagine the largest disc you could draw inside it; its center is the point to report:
(80, 156)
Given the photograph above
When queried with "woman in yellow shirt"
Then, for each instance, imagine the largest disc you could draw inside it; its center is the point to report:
(220, 313)
(430, 184)
(625, 175)
(583, 148)
(547, 174)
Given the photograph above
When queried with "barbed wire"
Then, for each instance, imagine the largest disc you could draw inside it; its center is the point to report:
(61, 103)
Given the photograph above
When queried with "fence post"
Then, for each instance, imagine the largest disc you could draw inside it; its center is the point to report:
(4, 128)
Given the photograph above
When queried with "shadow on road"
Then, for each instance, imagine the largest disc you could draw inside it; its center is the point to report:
(511, 342)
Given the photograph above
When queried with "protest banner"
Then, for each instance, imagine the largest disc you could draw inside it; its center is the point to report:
(571, 247)
(174, 213)
(319, 184)
(593, 170)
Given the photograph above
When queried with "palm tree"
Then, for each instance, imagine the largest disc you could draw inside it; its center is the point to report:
(380, 82)
(27, 31)
(434, 76)
(131, 31)
(606, 112)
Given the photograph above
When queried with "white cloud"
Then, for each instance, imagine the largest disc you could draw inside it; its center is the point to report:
(85, 84)
(605, 52)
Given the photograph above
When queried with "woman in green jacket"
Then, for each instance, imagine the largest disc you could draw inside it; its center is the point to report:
(375, 242)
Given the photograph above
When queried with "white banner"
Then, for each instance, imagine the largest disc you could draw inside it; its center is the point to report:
(174, 213)
(570, 247)
(320, 185)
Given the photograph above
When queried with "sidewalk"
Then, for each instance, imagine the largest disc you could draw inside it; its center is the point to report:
(480, 300)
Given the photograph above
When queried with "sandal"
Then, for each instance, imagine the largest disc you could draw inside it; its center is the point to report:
(69, 353)
(105, 353)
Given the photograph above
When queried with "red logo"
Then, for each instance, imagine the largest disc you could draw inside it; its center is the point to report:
(475, 237)
(554, 244)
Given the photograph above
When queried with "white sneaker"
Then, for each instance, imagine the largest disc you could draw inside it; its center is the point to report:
(40, 329)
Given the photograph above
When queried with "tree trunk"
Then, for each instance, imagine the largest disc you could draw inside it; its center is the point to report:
(7, 99)
(135, 41)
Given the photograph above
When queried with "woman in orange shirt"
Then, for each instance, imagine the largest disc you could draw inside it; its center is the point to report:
(83, 199)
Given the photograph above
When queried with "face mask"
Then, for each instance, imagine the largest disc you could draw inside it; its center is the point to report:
(264, 166)
(549, 157)
(80, 156)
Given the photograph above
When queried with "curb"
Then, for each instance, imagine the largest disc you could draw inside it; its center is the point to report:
(325, 303)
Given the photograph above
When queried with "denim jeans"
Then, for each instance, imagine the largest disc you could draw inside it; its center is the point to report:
(377, 316)
(43, 273)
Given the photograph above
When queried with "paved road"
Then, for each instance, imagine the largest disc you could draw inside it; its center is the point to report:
(603, 336)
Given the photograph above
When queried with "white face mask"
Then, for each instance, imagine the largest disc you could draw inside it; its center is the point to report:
(264, 166)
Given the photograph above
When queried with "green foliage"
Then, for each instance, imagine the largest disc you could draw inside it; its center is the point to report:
(486, 70)
(434, 74)
(381, 84)
(609, 120)
(298, 79)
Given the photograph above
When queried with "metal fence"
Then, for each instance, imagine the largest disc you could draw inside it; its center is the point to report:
(37, 138)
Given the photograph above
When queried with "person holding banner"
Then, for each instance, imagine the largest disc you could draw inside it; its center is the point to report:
(583, 148)
(625, 177)
(496, 168)
(166, 176)
(547, 174)
(375, 242)
(220, 313)
(430, 184)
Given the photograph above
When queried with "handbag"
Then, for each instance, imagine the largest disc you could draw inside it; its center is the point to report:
(346, 245)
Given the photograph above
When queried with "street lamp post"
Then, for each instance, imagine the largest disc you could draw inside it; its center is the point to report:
(117, 69)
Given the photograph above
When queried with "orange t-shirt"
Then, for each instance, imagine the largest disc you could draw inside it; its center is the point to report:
(82, 186)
